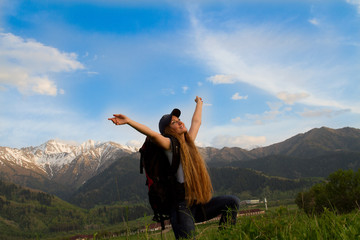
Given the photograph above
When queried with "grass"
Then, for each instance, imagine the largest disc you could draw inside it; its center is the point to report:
(279, 223)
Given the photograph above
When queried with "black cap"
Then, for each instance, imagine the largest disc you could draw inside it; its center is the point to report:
(166, 119)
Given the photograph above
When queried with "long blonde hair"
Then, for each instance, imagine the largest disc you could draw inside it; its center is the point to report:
(198, 187)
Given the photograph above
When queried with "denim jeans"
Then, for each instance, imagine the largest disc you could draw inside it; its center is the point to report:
(183, 218)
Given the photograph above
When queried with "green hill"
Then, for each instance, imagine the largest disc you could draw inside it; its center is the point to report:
(32, 214)
(27, 213)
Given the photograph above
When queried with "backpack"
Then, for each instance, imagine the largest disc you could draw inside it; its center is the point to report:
(160, 177)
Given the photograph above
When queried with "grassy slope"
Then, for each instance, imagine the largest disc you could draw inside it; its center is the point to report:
(29, 219)
(278, 223)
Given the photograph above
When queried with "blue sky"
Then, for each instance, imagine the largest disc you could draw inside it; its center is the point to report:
(267, 70)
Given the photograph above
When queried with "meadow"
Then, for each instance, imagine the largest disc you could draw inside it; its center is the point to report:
(288, 223)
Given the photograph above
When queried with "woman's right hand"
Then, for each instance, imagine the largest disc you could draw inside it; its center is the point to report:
(119, 119)
(198, 99)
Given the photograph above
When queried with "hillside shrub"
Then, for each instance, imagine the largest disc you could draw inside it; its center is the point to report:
(340, 193)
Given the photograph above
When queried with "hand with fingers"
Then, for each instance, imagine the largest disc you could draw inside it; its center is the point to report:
(119, 119)
(198, 99)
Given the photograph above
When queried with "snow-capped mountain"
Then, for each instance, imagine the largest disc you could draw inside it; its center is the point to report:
(66, 164)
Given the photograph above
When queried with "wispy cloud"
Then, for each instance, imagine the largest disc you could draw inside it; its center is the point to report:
(291, 98)
(237, 96)
(314, 21)
(222, 79)
(247, 142)
(276, 60)
(236, 120)
(275, 109)
(167, 91)
(327, 112)
(27, 65)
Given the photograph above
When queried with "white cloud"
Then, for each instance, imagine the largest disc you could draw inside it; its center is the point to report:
(222, 79)
(238, 141)
(185, 88)
(236, 120)
(44, 86)
(356, 3)
(291, 98)
(27, 64)
(237, 96)
(314, 21)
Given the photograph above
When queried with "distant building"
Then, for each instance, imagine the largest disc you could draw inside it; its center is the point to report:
(250, 202)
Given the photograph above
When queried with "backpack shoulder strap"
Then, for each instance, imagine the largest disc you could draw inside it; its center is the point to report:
(175, 147)
(148, 149)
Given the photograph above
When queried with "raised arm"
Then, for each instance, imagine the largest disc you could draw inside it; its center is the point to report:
(121, 119)
(196, 119)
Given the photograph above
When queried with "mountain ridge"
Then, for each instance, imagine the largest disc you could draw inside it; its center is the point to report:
(60, 168)
(315, 141)
(63, 164)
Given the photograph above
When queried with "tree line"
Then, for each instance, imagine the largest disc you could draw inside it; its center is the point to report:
(340, 193)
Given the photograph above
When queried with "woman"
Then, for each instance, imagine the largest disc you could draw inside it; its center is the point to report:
(197, 204)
